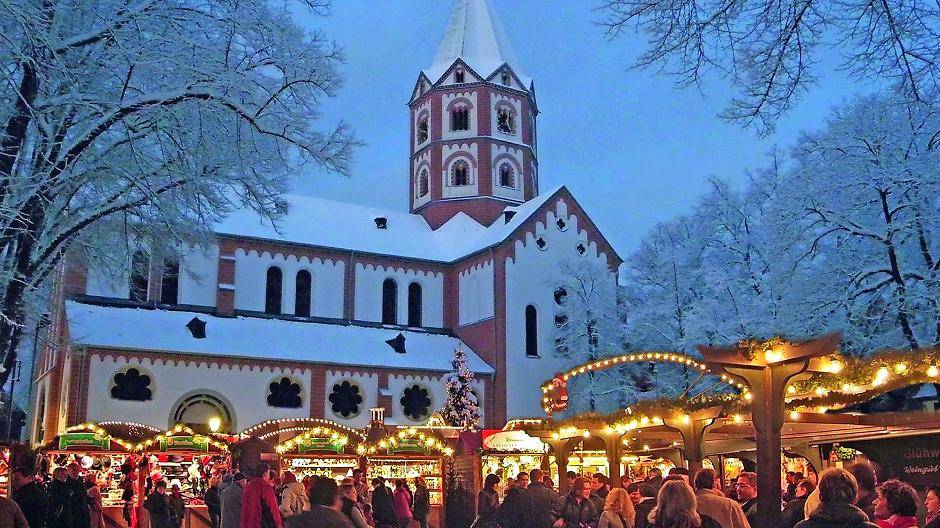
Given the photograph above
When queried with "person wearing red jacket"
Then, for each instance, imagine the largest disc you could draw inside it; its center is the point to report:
(259, 503)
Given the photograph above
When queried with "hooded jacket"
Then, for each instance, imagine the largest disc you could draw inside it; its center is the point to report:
(836, 515)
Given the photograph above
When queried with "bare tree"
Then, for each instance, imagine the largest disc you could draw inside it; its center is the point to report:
(148, 119)
(769, 49)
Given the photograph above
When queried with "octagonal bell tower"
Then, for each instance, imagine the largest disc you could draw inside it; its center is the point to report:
(473, 123)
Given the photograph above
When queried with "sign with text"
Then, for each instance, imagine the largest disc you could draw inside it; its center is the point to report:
(185, 443)
(913, 459)
(511, 442)
(86, 441)
(313, 445)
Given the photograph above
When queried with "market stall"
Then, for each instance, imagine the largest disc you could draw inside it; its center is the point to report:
(104, 452)
(409, 453)
(327, 450)
(506, 453)
(182, 456)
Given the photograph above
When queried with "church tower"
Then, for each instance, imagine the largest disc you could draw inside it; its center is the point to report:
(473, 123)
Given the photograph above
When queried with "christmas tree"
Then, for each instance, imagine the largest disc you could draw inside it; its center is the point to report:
(461, 408)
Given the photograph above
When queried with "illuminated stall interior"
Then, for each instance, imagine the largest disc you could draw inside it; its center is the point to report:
(325, 450)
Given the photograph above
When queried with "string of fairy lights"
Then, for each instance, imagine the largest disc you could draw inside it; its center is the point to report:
(426, 440)
(143, 446)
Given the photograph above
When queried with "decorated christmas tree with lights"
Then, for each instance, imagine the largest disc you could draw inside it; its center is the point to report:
(461, 408)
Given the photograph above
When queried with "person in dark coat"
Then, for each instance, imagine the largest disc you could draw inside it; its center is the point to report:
(213, 500)
(542, 501)
(158, 506)
(643, 508)
(177, 505)
(514, 511)
(577, 510)
(383, 504)
(422, 500)
(60, 500)
(325, 504)
(793, 512)
(232, 501)
(78, 506)
(837, 493)
(31, 498)
(487, 504)
(867, 480)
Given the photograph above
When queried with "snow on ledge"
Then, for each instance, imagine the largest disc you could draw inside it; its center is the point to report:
(261, 338)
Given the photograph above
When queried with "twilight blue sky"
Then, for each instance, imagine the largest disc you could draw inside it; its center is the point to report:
(634, 149)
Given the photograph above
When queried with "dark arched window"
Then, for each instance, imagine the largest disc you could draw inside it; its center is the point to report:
(272, 290)
(460, 118)
(302, 299)
(531, 331)
(414, 304)
(459, 75)
(140, 276)
(170, 283)
(423, 183)
(422, 129)
(507, 176)
(389, 302)
(460, 173)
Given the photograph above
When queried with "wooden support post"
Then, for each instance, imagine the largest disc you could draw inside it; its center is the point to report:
(614, 449)
(560, 449)
(693, 428)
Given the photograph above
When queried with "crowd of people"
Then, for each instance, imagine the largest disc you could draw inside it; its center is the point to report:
(842, 498)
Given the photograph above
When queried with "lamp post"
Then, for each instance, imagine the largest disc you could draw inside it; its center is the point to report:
(215, 423)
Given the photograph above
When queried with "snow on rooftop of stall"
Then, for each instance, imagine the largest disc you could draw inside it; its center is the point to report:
(340, 225)
(475, 35)
(262, 338)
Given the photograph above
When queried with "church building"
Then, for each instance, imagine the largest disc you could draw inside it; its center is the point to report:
(345, 307)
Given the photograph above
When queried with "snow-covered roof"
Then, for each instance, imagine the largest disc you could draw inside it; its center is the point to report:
(475, 35)
(340, 225)
(262, 338)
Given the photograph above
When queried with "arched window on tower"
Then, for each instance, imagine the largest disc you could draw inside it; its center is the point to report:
(506, 120)
(414, 304)
(170, 282)
(273, 290)
(302, 300)
(531, 331)
(507, 175)
(423, 183)
(422, 134)
(506, 78)
(460, 173)
(459, 117)
(140, 276)
(389, 302)
(459, 75)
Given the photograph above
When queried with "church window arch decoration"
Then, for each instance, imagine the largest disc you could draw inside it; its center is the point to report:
(459, 116)
(531, 331)
(196, 408)
(273, 290)
(389, 301)
(132, 384)
(507, 175)
(414, 305)
(346, 399)
(303, 299)
(416, 402)
(506, 119)
(423, 183)
(422, 130)
(139, 276)
(460, 173)
(285, 393)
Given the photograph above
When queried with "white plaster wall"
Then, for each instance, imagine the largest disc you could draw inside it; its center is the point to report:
(245, 389)
(369, 281)
(369, 390)
(463, 190)
(199, 275)
(528, 282)
(475, 290)
(109, 284)
(425, 107)
(421, 162)
(515, 158)
(251, 271)
(516, 104)
(446, 132)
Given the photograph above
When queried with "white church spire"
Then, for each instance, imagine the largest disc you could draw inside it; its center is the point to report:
(475, 35)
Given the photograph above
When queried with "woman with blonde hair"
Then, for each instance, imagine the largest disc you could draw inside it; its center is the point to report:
(618, 511)
(676, 508)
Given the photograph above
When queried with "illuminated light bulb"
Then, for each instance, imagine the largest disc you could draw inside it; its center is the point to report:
(881, 377)
(555, 435)
(214, 424)
(644, 420)
(748, 396)
(738, 418)
(646, 447)
(933, 371)
(820, 391)
(822, 409)
(900, 368)
(794, 415)
(772, 355)
(586, 434)
(847, 387)
(686, 418)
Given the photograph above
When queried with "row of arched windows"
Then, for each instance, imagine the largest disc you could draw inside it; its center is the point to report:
(390, 303)
(274, 291)
(460, 176)
(459, 121)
